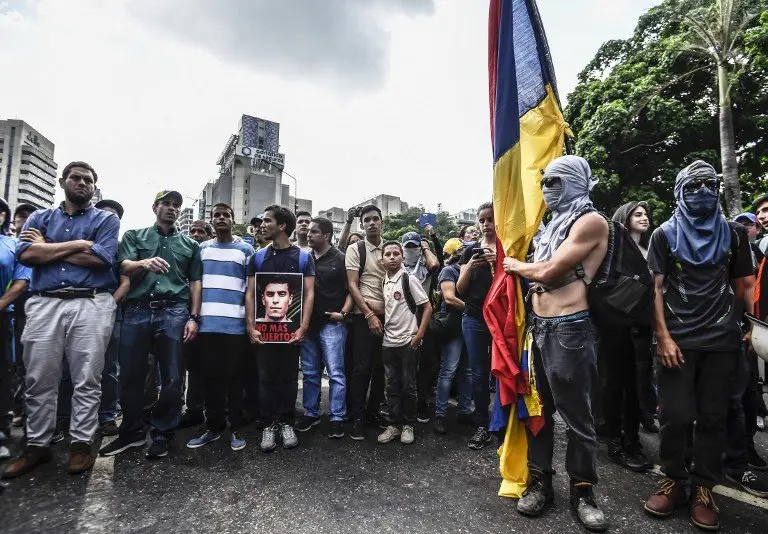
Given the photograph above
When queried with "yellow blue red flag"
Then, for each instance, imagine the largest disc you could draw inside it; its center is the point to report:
(527, 132)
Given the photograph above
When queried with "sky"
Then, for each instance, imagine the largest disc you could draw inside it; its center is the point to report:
(373, 96)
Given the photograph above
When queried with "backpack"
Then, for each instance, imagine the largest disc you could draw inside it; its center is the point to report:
(261, 255)
(621, 293)
(409, 300)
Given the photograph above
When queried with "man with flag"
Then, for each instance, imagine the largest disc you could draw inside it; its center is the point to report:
(527, 132)
(568, 255)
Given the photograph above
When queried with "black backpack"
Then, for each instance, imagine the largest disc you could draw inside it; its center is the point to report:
(621, 293)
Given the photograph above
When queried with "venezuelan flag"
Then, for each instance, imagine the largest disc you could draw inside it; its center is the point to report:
(527, 132)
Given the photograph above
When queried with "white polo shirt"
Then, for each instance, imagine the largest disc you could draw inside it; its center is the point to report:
(400, 324)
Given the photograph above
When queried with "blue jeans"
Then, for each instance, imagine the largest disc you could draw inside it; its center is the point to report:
(478, 340)
(108, 407)
(325, 346)
(159, 332)
(452, 357)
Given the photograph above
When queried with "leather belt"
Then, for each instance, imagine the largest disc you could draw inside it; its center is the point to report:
(68, 294)
(159, 304)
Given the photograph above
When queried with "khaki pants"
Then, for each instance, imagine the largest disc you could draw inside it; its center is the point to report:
(81, 328)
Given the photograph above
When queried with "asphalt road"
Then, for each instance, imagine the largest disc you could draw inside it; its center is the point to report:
(337, 486)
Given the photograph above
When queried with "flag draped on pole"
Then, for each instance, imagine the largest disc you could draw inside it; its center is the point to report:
(527, 132)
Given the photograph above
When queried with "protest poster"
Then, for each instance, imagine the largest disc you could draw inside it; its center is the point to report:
(278, 305)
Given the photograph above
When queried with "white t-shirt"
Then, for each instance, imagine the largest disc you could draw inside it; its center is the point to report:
(400, 324)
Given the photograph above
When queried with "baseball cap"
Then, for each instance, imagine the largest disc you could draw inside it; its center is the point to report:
(452, 246)
(412, 238)
(169, 195)
(257, 220)
(750, 216)
(115, 205)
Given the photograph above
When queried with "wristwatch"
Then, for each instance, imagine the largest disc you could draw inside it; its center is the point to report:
(344, 314)
(195, 317)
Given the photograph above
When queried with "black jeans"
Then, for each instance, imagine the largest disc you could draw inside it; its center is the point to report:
(400, 369)
(223, 377)
(194, 359)
(6, 373)
(642, 339)
(621, 406)
(741, 422)
(565, 363)
(699, 390)
(429, 365)
(366, 370)
(278, 382)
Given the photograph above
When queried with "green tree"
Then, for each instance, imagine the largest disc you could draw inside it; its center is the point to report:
(643, 109)
(396, 225)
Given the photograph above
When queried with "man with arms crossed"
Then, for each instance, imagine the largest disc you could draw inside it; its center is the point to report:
(568, 255)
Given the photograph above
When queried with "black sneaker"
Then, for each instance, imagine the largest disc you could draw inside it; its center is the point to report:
(358, 431)
(423, 416)
(108, 428)
(119, 445)
(158, 448)
(191, 418)
(58, 436)
(306, 422)
(628, 456)
(439, 426)
(753, 483)
(756, 462)
(337, 430)
(480, 439)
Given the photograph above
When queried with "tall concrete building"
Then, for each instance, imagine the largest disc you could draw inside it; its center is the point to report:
(27, 168)
(250, 172)
(184, 223)
(466, 216)
(388, 204)
(338, 216)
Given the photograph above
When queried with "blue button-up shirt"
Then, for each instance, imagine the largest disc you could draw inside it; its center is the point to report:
(57, 226)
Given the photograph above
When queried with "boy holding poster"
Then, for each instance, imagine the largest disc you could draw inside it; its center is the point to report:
(406, 318)
(278, 306)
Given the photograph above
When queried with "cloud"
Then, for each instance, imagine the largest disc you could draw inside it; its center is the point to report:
(341, 42)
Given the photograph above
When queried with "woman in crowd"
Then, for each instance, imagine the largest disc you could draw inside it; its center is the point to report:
(478, 262)
(626, 365)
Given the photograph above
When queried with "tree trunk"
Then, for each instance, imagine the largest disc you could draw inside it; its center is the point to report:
(728, 146)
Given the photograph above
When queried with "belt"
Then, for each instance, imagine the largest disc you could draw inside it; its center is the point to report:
(68, 294)
(578, 316)
(159, 304)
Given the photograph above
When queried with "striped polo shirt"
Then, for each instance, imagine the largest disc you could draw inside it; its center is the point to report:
(224, 286)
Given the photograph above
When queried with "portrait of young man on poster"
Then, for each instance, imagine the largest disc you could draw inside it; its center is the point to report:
(278, 305)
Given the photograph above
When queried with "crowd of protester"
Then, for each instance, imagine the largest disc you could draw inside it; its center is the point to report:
(158, 331)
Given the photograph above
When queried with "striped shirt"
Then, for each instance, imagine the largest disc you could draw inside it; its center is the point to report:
(224, 286)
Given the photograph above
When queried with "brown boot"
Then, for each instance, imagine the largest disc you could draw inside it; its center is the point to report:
(29, 460)
(704, 511)
(669, 496)
(80, 457)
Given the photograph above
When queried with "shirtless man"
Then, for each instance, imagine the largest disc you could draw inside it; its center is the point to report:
(568, 255)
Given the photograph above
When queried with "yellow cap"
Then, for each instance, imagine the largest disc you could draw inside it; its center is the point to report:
(452, 246)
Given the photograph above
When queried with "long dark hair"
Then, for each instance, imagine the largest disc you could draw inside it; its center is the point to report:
(624, 214)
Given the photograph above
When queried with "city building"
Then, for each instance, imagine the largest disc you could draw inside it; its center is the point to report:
(388, 204)
(184, 222)
(97, 196)
(466, 216)
(27, 168)
(250, 173)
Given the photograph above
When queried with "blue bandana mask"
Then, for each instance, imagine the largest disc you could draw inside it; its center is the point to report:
(703, 201)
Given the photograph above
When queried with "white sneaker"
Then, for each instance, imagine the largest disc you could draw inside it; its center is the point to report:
(407, 436)
(760, 423)
(288, 435)
(269, 438)
(390, 434)
(4, 452)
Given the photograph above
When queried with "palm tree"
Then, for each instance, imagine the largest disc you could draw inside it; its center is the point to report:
(716, 30)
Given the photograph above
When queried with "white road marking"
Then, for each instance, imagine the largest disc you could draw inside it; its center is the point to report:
(96, 509)
(725, 491)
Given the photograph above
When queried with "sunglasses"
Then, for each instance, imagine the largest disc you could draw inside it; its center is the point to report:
(710, 183)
